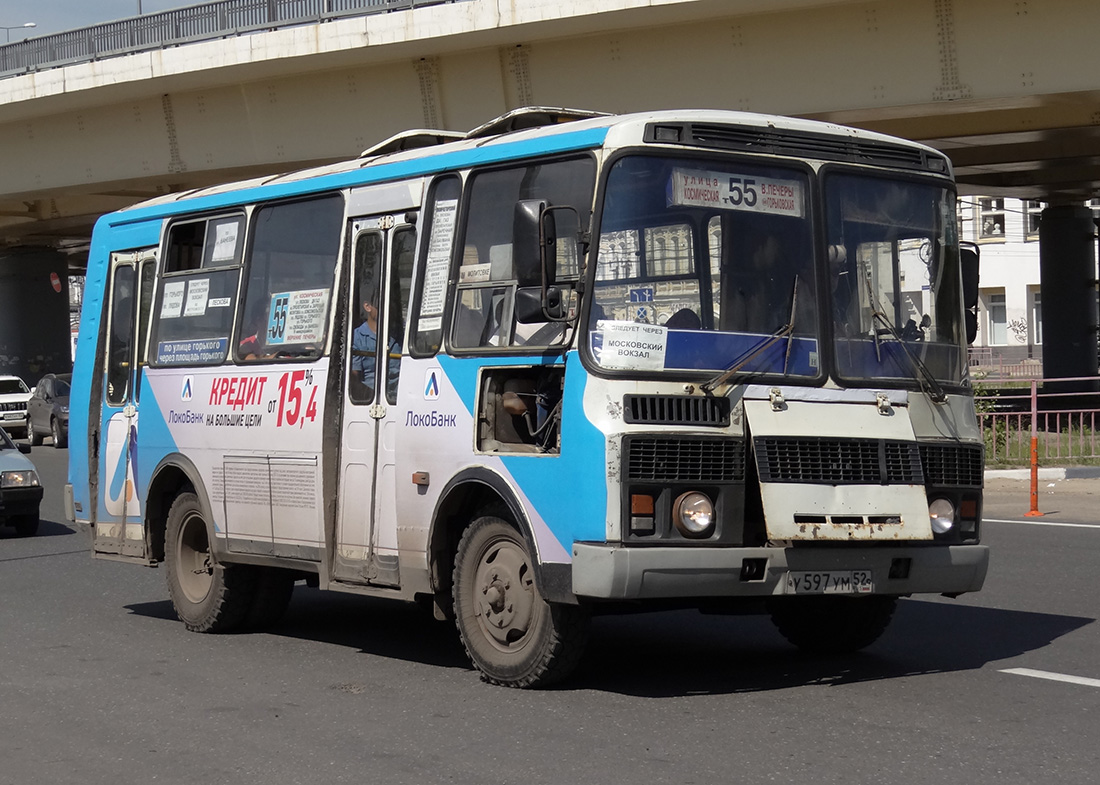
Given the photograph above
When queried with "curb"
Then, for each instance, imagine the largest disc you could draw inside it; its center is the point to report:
(1051, 473)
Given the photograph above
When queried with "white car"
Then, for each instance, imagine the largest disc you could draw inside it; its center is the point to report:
(14, 396)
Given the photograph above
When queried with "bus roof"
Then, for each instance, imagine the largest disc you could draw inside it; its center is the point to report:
(518, 134)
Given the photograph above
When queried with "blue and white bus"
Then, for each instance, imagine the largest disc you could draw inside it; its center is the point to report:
(563, 364)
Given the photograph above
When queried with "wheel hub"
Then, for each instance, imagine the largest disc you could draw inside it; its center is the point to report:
(505, 594)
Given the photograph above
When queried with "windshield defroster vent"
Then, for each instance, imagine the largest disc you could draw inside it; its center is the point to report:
(676, 410)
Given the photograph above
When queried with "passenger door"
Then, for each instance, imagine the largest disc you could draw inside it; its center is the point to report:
(119, 528)
(383, 248)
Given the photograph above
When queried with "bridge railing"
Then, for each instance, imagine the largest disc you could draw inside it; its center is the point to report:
(206, 21)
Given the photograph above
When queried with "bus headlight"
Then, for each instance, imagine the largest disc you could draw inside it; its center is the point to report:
(942, 514)
(693, 514)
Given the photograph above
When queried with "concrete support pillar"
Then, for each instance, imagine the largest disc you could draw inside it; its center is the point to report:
(34, 313)
(1067, 275)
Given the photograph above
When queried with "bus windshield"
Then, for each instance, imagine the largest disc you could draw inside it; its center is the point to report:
(705, 265)
(895, 281)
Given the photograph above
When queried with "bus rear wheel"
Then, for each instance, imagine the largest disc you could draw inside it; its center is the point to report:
(832, 625)
(207, 596)
(512, 635)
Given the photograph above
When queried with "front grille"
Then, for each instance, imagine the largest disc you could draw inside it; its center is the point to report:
(838, 461)
(676, 410)
(805, 145)
(685, 460)
(17, 406)
(958, 465)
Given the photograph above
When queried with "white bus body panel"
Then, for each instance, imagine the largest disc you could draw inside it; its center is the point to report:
(787, 505)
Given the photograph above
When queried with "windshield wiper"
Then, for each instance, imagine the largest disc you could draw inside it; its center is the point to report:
(756, 350)
(929, 383)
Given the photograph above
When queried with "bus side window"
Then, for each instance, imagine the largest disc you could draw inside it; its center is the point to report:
(292, 264)
(121, 337)
(437, 244)
(364, 337)
(404, 253)
(196, 295)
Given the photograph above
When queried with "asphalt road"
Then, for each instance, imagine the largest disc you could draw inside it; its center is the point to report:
(100, 684)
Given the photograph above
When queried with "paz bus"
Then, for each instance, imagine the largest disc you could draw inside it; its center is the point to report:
(565, 364)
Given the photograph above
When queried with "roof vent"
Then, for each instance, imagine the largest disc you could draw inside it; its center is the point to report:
(412, 140)
(531, 117)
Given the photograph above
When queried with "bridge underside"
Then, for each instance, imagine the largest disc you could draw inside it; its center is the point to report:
(1006, 89)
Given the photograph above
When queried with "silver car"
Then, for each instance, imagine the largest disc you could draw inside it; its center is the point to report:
(20, 490)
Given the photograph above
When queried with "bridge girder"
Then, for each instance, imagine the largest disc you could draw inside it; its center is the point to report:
(1007, 89)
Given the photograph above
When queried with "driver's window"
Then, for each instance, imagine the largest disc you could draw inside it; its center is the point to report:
(487, 279)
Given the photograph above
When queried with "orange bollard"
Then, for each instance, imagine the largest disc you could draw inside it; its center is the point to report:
(1034, 511)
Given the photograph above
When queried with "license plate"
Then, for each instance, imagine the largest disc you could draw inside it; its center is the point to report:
(13, 415)
(830, 582)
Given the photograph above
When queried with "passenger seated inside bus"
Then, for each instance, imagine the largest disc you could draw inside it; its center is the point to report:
(251, 343)
(364, 349)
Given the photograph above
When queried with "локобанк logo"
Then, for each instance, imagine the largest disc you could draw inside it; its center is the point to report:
(431, 384)
(187, 392)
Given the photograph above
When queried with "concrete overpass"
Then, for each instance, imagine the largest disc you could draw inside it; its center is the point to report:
(1008, 89)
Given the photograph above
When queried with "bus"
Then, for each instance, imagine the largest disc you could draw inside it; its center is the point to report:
(566, 364)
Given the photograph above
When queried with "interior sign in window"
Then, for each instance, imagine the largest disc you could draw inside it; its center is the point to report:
(438, 261)
(198, 290)
(225, 242)
(724, 191)
(171, 306)
(630, 345)
(297, 317)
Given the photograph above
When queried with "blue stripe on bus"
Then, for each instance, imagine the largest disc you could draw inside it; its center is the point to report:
(425, 165)
(569, 491)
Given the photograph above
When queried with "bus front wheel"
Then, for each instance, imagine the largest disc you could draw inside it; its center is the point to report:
(832, 625)
(512, 635)
(207, 596)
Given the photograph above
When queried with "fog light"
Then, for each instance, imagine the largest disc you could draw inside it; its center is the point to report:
(942, 514)
(693, 514)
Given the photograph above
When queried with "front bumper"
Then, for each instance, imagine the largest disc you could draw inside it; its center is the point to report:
(20, 501)
(15, 424)
(616, 572)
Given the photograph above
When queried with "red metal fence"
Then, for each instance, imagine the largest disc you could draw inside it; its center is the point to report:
(1061, 415)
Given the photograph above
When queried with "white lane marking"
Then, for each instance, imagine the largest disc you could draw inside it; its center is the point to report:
(1044, 523)
(1052, 676)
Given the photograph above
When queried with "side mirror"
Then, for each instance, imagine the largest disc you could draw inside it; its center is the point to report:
(23, 448)
(527, 241)
(540, 259)
(968, 261)
(531, 308)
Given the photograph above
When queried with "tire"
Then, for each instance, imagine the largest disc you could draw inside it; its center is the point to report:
(832, 625)
(274, 588)
(207, 596)
(511, 634)
(25, 525)
(59, 440)
(33, 436)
